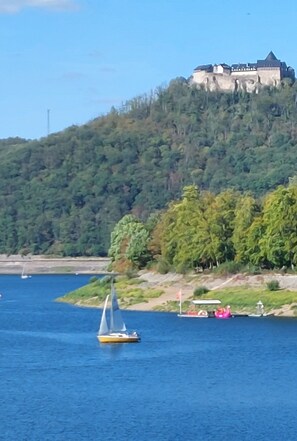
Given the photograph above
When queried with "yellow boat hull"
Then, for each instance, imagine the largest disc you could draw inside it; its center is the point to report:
(120, 338)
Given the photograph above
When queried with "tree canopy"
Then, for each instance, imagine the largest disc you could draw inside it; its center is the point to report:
(204, 230)
(63, 194)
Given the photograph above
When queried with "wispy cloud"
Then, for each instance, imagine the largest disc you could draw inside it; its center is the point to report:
(15, 6)
(95, 54)
(72, 76)
(107, 69)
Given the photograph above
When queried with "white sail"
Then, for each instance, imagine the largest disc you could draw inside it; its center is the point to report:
(114, 330)
(116, 322)
(103, 324)
(24, 276)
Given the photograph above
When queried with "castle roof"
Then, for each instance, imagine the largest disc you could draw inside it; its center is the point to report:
(270, 61)
(244, 66)
(226, 66)
(207, 67)
(271, 56)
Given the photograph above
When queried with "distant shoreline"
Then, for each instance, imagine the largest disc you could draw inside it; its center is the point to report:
(170, 283)
(15, 264)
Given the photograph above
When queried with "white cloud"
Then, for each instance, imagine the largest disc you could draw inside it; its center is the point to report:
(14, 6)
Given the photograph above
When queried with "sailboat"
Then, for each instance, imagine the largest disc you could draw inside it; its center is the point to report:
(24, 275)
(115, 331)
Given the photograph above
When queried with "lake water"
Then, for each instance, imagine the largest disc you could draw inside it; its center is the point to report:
(189, 379)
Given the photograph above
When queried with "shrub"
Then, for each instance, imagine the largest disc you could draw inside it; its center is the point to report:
(253, 269)
(93, 279)
(183, 268)
(105, 281)
(163, 267)
(131, 273)
(272, 285)
(200, 290)
(229, 267)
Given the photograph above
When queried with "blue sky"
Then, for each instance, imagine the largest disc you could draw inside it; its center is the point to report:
(72, 60)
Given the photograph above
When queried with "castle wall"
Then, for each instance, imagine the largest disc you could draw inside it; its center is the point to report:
(220, 82)
(246, 81)
(212, 81)
(244, 73)
(219, 69)
(226, 82)
(246, 77)
(269, 76)
(200, 77)
(249, 81)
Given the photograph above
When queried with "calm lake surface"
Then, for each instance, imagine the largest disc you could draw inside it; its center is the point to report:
(189, 379)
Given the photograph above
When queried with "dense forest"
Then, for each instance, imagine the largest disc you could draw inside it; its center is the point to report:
(202, 231)
(64, 194)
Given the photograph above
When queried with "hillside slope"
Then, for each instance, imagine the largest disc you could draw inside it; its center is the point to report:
(64, 193)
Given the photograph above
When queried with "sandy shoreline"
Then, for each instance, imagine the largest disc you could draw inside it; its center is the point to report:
(45, 265)
(171, 284)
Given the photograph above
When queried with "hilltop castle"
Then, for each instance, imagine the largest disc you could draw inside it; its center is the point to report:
(247, 77)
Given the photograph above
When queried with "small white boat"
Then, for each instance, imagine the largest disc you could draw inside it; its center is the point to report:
(24, 275)
(115, 331)
(260, 311)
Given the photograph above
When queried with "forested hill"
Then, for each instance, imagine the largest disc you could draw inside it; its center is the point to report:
(64, 193)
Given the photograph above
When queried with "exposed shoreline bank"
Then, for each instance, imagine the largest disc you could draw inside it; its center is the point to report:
(171, 284)
(48, 265)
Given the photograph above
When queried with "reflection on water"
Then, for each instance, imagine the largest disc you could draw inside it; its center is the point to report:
(113, 351)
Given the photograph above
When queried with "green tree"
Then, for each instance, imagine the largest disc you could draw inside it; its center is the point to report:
(187, 223)
(245, 212)
(221, 221)
(279, 241)
(129, 241)
(254, 234)
(205, 236)
(180, 223)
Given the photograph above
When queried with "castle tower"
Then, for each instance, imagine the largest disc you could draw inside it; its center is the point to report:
(270, 70)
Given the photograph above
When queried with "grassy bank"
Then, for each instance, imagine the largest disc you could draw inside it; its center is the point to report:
(128, 291)
(243, 299)
(135, 291)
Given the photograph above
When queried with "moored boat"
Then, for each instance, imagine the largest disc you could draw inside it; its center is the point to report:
(204, 312)
(223, 313)
(260, 311)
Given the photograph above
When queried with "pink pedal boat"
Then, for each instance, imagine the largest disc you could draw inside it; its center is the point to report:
(223, 313)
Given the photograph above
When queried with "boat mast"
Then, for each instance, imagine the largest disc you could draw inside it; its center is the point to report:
(180, 301)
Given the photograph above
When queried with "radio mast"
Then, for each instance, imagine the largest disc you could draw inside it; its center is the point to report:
(48, 122)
